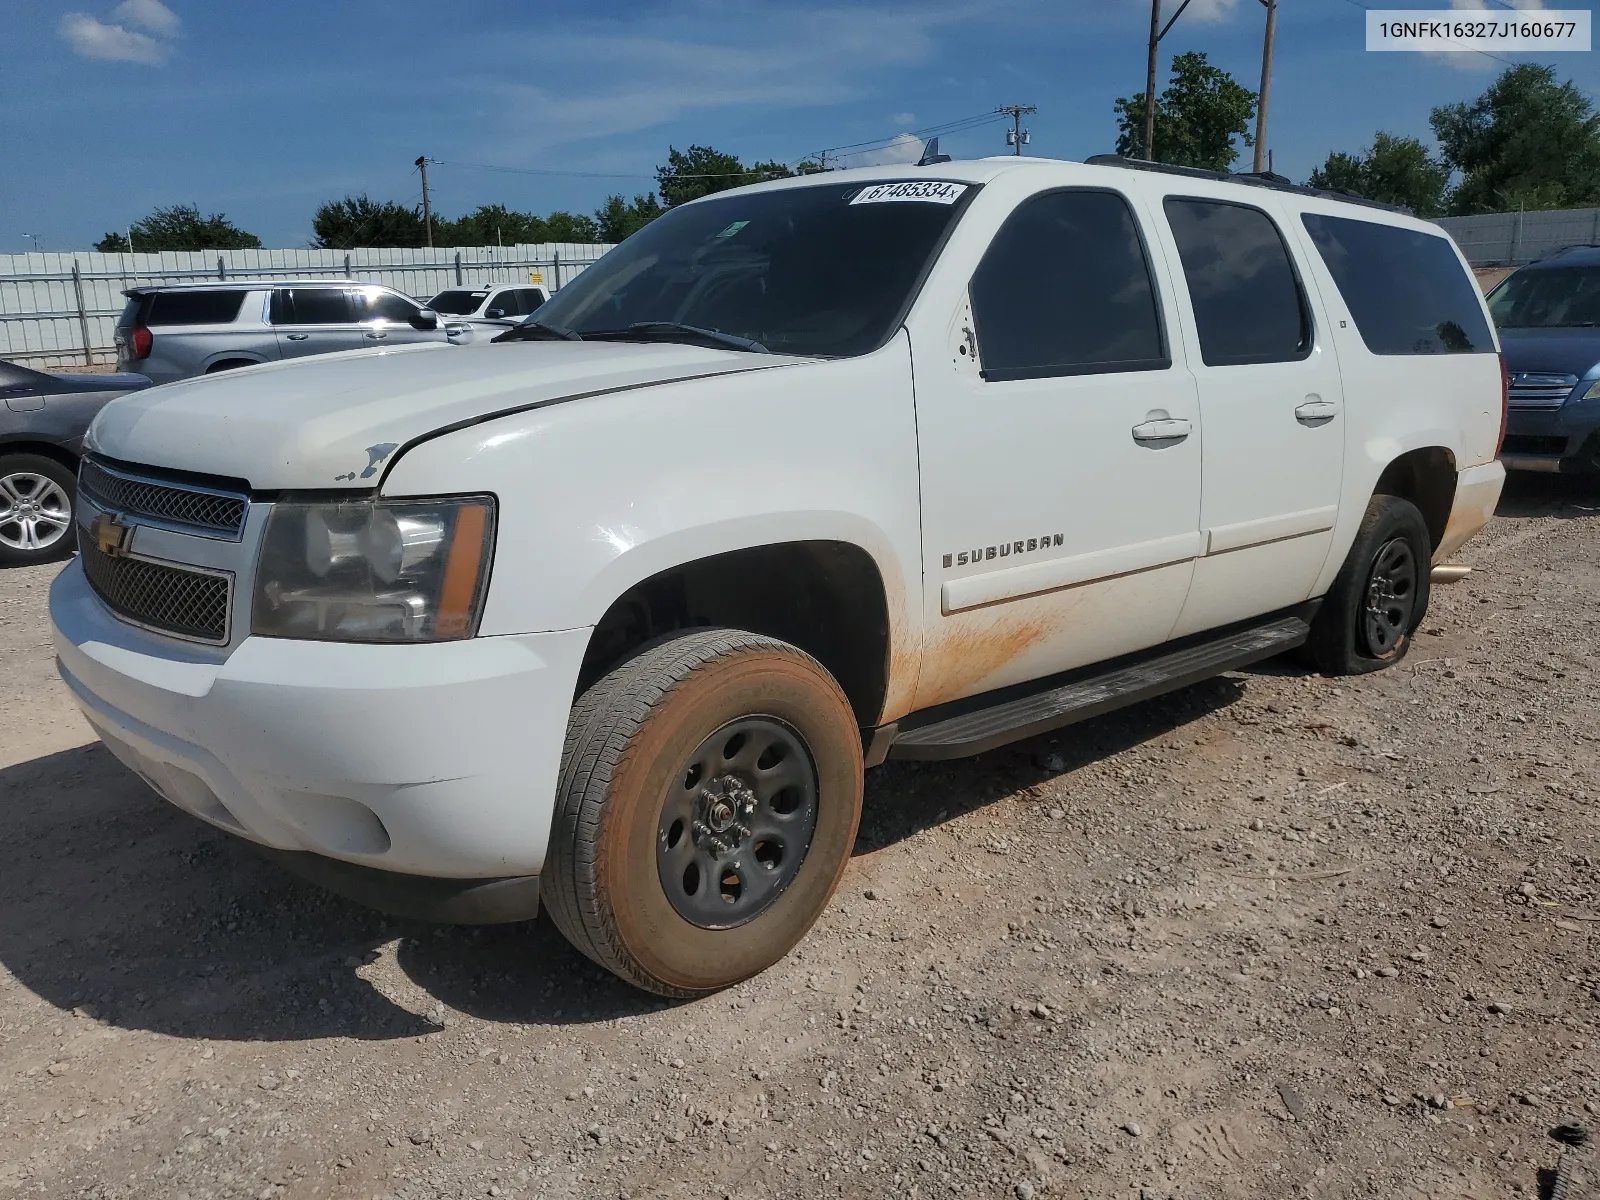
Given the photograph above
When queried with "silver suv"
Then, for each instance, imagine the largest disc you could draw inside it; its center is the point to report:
(174, 331)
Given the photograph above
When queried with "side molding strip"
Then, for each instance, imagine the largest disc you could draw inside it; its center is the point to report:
(1012, 583)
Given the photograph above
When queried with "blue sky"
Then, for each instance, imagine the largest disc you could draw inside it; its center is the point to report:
(263, 111)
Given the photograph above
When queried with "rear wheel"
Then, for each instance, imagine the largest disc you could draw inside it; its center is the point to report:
(709, 797)
(36, 499)
(1380, 594)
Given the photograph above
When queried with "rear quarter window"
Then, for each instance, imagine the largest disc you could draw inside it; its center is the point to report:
(193, 308)
(1406, 290)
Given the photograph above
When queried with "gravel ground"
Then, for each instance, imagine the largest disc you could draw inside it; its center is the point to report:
(1276, 935)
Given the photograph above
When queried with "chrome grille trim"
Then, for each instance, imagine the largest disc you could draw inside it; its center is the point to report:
(186, 507)
(1540, 389)
(192, 603)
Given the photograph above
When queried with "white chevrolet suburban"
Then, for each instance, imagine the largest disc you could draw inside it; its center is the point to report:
(896, 462)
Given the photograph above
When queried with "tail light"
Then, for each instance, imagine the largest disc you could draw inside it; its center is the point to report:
(140, 340)
(1505, 405)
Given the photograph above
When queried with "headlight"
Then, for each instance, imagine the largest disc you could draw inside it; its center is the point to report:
(374, 571)
(1593, 392)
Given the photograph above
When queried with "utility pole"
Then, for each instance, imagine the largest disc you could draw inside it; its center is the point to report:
(1157, 32)
(427, 211)
(1266, 83)
(1018, 137)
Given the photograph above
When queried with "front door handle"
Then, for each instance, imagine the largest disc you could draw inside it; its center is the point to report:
(1316, 412)
(376, 333)
(1168, 430)
(298, 337)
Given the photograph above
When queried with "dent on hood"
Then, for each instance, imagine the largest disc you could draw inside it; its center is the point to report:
(375, 456)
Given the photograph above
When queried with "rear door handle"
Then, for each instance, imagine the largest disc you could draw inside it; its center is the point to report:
(1162, 429)
(298, 337)
(376, 333)
(1316, 412)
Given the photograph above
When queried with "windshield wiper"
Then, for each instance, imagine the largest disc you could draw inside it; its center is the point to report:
(537, 331)
(649, 331)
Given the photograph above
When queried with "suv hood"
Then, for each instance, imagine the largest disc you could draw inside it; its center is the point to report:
(338, 420)
(1561, 351)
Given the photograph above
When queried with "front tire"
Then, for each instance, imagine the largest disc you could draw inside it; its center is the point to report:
(37, 495)
(1380, 594)
(709, 797)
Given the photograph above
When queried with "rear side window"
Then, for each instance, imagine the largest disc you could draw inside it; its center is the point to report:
(311, 306)
(1406, 290)
(532, 298)
(1064, 289)
(1248, 306)
(193, 308)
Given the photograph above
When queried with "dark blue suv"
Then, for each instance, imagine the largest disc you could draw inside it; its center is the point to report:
(1549, 318)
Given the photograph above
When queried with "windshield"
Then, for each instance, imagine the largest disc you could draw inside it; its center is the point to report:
(456, 303)
(1549, 298)
(824, 270)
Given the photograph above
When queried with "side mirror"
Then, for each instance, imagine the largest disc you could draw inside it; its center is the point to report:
(425, 318)
(495, 312)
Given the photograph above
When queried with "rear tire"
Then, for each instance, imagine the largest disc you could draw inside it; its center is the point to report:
(675, 863)
(1380, 594)
(38, 498)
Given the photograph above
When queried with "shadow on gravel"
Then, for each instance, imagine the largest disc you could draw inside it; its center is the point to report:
(904, 798)
(1531, 494)
(113, 901)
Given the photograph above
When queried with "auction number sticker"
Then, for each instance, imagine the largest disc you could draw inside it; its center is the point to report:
(929, 191)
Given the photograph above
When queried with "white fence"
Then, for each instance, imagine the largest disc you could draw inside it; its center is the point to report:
(61, 309)
(1511, 239)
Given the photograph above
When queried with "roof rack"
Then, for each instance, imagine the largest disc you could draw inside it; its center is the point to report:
(1266, 179)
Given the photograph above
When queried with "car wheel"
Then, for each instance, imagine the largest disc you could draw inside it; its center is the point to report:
(36, 499)
(1380, 594)
(709, 797)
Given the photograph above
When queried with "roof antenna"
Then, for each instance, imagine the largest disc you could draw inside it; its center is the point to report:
(930, 154)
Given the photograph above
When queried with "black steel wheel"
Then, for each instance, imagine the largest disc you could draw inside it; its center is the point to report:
(1391, 597)
(1379, 596)
(736, 826)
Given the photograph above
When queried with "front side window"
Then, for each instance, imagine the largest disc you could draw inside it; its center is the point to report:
(824, 269)
(457, 302)
(1548, 298)
(311, 306)
(1064, 289)
(372, 304)
(1406, 290)
(1248, 306)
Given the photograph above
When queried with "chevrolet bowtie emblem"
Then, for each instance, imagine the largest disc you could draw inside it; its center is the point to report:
(110, 536)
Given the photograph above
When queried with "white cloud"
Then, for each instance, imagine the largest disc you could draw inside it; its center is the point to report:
(904, 149)
(903, 118)
(95, 39)
(151, 15)
(1210, 11)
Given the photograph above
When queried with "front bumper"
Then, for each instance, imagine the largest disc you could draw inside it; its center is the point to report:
(1564, 440)
(433, 760)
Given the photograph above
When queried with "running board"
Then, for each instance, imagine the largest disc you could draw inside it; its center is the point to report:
(1017, 717)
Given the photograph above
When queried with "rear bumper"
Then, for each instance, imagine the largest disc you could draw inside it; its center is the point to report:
(421, 897)
(1477, 495)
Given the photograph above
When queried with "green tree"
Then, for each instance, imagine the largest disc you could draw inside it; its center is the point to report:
(571, 227)
(491, 225)
(1393, 170)
(617, 218)
(1527, 142)
(700, 171)
(358, 221)
(1197, 118)
(181, 227)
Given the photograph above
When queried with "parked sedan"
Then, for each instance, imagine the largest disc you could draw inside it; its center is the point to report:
(43, 418)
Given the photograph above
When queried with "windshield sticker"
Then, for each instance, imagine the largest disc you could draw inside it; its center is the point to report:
(733, 229)
(928, 192)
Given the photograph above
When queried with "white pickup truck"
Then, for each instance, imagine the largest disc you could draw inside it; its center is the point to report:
(899, 462)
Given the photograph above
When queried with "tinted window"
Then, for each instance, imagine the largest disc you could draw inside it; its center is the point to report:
(1247, 302)
(456, 303)
(1548, 298)
(509, 302)
(532, 298)
(193, 308)
(373, 305)
(1064, 289)
(311, 306)
(1407, 291)
(821, 269)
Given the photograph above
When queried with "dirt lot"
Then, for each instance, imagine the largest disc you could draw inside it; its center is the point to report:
(1275, 936)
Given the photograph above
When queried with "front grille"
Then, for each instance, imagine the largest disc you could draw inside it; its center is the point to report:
(172, 503)
(1540, 389)
(191, 604)
(1527, 443)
